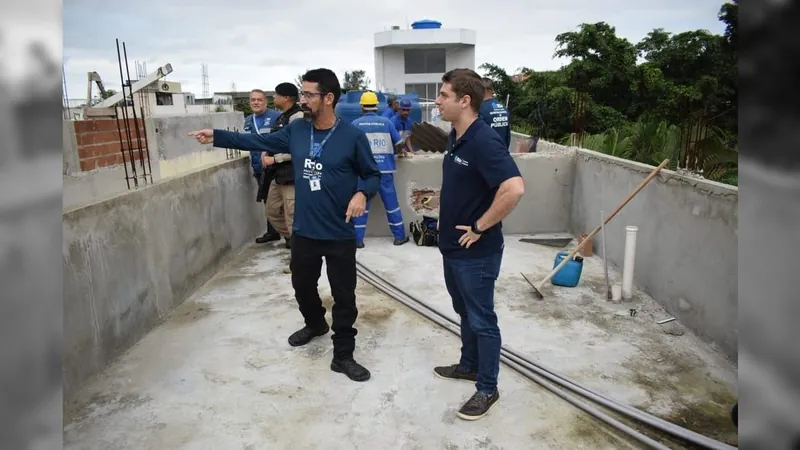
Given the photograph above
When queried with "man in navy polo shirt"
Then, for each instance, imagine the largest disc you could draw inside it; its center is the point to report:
(481, 184)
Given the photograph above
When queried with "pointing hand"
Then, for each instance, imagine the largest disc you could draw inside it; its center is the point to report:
(205, 136)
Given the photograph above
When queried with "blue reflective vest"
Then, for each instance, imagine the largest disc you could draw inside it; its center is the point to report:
(382, 138)
(259, 125)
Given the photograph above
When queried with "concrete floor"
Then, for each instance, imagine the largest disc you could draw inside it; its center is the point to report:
(219, 373)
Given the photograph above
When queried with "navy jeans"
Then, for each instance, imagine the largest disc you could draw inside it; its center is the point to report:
(470, 283)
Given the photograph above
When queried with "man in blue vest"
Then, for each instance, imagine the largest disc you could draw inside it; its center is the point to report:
(494, 113)
(402, 123)
(383, 139)
(392, 107)
(260, 122)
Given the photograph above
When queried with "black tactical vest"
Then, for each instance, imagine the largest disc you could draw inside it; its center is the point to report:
(284, 174)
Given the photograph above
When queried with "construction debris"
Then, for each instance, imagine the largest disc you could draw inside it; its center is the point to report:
(427, 137)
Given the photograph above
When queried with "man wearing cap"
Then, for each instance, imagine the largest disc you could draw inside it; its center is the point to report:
(280, 200)
(392, 107)
(384, 141)
(402, 123)
(494, 113)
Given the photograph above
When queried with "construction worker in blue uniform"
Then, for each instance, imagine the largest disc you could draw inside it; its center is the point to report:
(392, 107)
(383, 139)
(261, 122)
(402, 123)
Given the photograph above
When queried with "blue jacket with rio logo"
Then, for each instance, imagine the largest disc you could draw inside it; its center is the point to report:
(382, 137)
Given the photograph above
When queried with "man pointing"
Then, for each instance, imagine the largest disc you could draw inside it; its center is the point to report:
(329, 156)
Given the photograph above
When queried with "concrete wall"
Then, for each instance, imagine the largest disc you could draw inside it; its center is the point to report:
(172, 153)
(130, 260)
(686, 253)
(544, 208)
(177, 153)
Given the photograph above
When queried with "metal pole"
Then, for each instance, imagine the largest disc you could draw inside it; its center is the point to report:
(125, 118)
(135, 119)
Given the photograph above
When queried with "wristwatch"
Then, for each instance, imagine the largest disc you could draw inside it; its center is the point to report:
(475, 228)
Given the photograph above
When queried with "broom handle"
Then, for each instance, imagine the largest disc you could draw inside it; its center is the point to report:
(608, 219)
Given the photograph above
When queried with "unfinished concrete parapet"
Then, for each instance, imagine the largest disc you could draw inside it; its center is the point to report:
(130, 260)
(544, 208)
(686, 256)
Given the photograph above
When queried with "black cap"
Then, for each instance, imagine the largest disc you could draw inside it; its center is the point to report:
(287, 90)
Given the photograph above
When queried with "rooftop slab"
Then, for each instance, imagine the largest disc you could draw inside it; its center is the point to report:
(219, 373)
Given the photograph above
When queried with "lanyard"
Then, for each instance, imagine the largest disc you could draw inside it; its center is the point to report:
(316, 154)
(255, 124)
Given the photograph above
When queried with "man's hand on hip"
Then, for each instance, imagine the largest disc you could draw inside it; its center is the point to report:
(267, 160)
(357, 206)
(469, 237)
(205, 136)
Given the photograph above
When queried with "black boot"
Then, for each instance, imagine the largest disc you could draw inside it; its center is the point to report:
(351, 368)
(268, 237)
(360, 245)
(401, 241)
(288, 242)
(304, 335)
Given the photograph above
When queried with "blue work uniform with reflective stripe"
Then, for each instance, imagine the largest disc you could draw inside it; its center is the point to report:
(259, 125)
(382, 137)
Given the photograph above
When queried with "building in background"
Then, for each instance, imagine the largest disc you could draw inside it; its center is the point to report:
(414, 60)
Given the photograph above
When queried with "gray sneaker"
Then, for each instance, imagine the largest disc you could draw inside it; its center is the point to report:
(454, 372)
(478, 405)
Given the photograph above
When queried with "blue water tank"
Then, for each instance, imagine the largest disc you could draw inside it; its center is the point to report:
(426, 24)
(349, 108)
(570, 274)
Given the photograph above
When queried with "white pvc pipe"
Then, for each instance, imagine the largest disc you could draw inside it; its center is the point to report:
(628, 262)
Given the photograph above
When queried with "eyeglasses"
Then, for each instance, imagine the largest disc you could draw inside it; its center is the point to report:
(307, 95)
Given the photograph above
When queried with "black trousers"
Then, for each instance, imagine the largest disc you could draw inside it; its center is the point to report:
(340, 260)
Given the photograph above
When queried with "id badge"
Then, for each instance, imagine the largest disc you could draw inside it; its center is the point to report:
(314, 184)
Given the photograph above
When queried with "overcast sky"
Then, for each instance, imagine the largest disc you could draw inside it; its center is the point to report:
(262, 43)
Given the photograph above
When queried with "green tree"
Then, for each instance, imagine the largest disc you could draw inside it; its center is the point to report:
(603, 65)
(669, 95)
(356, 80)
(243, 107)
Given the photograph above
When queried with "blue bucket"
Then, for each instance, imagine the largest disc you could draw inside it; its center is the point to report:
(570, 274)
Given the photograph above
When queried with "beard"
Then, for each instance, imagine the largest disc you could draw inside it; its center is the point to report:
(307, 112)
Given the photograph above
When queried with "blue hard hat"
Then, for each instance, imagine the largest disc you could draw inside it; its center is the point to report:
(405, 104)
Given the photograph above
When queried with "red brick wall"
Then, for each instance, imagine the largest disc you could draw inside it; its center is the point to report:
(99, 143)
